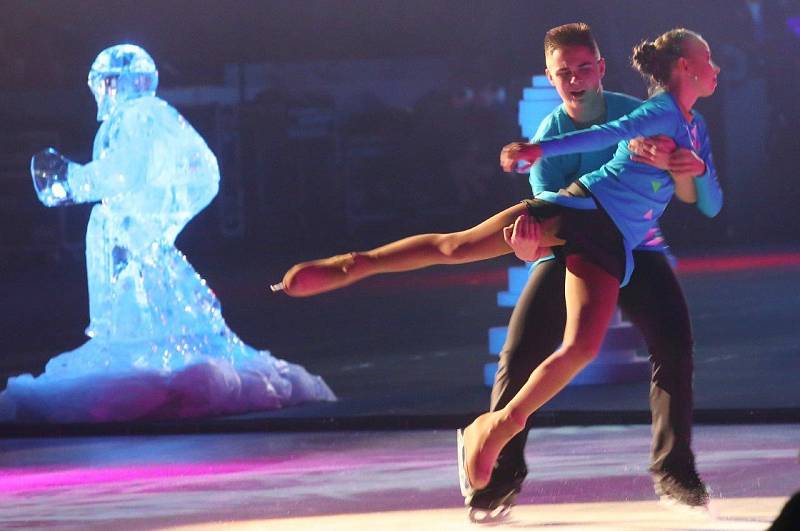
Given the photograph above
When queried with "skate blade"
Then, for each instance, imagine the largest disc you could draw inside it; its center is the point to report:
(463, 478)
(499, 515)
(275, 288)
(702, 511)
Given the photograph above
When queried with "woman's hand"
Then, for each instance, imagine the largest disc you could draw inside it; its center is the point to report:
(516, 152)
(655, 150)
(524, 236)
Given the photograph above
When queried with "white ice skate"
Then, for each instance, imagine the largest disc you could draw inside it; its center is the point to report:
(499, 511)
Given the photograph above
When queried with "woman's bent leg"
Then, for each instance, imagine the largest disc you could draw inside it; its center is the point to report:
(591, 297)
(535, 330)
(415, 252)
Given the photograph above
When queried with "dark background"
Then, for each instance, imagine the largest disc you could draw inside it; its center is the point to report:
(345, 124)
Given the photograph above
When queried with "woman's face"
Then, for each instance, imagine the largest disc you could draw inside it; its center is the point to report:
(702, 71)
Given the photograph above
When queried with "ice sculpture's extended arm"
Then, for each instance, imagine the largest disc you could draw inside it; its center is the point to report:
(59, 181)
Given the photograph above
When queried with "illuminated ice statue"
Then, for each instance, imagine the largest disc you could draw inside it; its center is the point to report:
(158, 347)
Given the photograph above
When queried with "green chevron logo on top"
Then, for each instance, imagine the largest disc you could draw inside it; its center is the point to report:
(656, 185)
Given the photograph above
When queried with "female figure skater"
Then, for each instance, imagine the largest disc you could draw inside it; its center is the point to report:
(593, 225)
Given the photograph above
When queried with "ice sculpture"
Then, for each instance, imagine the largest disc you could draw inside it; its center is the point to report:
(158, 347)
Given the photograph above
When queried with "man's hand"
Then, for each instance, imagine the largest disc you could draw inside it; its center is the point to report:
(686, 164)
(524, 236)
(655, 150)
(516, 152)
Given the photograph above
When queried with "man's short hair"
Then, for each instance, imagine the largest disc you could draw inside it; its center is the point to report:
(574, 34)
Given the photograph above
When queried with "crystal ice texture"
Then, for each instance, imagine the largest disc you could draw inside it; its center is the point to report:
(158, 347)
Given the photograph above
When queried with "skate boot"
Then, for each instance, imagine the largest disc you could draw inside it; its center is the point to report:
(492, 503)
(487, 435)
(684, 491)
(318, 276)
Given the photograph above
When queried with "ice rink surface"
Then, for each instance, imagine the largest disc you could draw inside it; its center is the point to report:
(580, 478)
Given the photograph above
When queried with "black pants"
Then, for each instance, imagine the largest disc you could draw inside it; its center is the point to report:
(654, 302)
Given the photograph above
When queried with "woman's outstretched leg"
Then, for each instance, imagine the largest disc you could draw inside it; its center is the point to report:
(415, 252)
(591, 297)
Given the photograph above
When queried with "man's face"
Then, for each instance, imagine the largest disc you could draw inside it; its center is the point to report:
(576, 73)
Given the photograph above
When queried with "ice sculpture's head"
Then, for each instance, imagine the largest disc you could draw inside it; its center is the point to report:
(119, 74)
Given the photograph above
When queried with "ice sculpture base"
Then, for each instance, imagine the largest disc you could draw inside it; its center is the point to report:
(205, 385)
